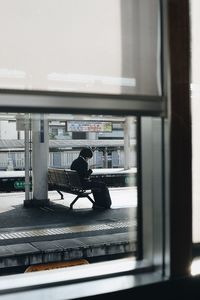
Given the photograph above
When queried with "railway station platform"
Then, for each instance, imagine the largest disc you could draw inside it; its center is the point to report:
(32, 236)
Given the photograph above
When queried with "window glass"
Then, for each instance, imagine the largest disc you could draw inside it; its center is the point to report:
(94, 46)
(35, 214)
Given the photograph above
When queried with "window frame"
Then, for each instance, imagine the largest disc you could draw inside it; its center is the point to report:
(169, 244)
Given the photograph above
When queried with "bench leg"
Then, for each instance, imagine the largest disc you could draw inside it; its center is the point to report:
(73, 202)
(61, 194)
(91, 200)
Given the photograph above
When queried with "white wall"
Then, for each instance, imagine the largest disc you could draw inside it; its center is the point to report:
(8, 130)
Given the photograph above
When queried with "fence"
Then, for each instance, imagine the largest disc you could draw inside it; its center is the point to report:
(63, 159)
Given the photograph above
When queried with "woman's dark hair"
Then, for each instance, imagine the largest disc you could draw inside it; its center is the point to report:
(86, 152)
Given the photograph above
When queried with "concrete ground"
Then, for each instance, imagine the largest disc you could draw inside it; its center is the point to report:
(45, 234)
(14, 215)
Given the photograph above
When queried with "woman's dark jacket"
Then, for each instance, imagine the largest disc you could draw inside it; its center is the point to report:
(81, 166)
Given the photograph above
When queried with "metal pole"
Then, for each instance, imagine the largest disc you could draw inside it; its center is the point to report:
(27, 156)
(105, 158)
(127, 141)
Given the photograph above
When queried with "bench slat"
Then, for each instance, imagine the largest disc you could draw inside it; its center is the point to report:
(67, 181)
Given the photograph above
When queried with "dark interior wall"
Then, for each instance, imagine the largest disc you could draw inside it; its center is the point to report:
(185, 288)
(180, 138)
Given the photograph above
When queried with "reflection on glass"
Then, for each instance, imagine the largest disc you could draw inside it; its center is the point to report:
(54, 141)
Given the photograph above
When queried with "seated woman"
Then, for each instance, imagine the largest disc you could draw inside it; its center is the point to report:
(99, 189)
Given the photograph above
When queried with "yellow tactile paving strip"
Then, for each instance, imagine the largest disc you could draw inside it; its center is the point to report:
(64, 230)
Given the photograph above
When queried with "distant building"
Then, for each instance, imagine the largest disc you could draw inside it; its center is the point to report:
(65, 145)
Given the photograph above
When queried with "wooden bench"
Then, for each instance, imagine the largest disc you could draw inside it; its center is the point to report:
(64, 180)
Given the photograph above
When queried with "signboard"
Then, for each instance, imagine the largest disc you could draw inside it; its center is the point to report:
(89, 126)
(21, 123)
(20, 185)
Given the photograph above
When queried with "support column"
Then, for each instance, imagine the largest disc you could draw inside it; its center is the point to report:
(127, 143)
(40, 152)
